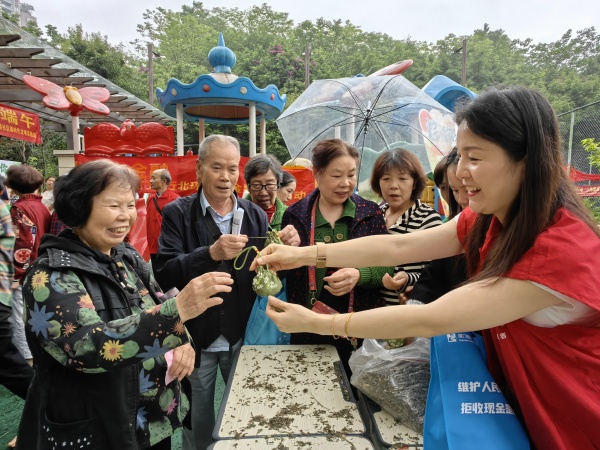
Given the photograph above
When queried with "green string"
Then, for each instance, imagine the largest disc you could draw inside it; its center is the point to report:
(244, 252)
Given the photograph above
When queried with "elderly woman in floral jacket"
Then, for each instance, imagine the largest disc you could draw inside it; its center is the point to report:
(100, 331)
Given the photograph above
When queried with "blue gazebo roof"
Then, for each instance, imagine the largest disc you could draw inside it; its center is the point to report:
(220, 97)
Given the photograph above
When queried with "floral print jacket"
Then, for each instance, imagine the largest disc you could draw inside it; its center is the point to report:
(99, 333)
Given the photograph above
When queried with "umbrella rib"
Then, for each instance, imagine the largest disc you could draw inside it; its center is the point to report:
(359, 132)
(345, 121)
(343, 111)
(380, 93)
(395, 108)
(417, 130)
(367, 115)
(378, 130)
(354, 97)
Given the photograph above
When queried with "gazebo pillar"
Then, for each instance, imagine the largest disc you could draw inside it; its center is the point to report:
(66, 160)
(75, 133)
(252, 135)
(201, 131)
(263, 135)
(179, 116)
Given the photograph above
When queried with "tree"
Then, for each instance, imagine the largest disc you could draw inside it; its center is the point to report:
(55, 39)
(32, 27)
(270, 50)
(93, 51)
(593, 147)
(14, 18)
(39, 156)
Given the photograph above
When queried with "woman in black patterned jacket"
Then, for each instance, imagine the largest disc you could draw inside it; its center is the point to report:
(99, 328)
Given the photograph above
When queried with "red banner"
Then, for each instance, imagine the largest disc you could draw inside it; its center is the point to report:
(18, 124)
(305, 182)
(576, 176)
(590, 190)
(183, 173)
(181, 168)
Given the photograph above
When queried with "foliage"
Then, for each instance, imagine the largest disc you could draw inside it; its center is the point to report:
(14, 18)
(32, 27)
(94, 51)
(39, 156)
(593, 147)
(593, 207)
(270, 49)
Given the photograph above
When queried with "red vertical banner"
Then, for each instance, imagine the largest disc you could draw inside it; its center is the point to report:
(18, 124)
(241, 185)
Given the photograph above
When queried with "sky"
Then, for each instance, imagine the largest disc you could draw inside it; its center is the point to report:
(429, 20)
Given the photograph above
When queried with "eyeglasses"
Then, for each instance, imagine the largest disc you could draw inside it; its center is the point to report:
(259, 187)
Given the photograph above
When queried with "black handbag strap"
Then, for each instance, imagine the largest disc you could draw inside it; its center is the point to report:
(157, 207)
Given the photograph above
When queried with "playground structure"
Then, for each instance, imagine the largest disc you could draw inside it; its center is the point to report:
(125, 137)
(221, 97)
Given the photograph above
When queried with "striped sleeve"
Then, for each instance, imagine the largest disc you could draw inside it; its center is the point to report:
(419, 217)
(7, 243)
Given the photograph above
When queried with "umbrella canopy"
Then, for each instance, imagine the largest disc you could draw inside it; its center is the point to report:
(372, 113)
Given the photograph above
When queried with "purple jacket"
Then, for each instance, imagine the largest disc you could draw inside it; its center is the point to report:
(368, 221)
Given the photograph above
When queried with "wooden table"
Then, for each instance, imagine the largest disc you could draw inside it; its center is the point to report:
(385, 431)
(288, 390)
(301, 442)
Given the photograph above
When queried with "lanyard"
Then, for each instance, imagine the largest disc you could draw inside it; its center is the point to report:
(312, 278)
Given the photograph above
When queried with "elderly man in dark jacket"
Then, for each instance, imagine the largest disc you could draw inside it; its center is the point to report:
(197, 238)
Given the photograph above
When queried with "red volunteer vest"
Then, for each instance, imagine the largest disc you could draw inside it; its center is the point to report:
(551, 375)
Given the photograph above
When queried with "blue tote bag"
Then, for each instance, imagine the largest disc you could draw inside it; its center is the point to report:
(465, 408)
(260, 329)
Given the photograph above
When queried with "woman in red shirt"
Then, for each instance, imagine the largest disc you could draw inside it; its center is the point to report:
(525, 231)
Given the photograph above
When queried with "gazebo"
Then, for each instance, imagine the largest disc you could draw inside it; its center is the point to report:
(221, 97)
(23, 54)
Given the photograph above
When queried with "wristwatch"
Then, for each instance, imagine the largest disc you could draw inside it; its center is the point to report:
(321, 256)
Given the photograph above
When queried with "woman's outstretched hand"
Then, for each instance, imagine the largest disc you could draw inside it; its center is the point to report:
(197, 296)
(283, 257)
(291, 318)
